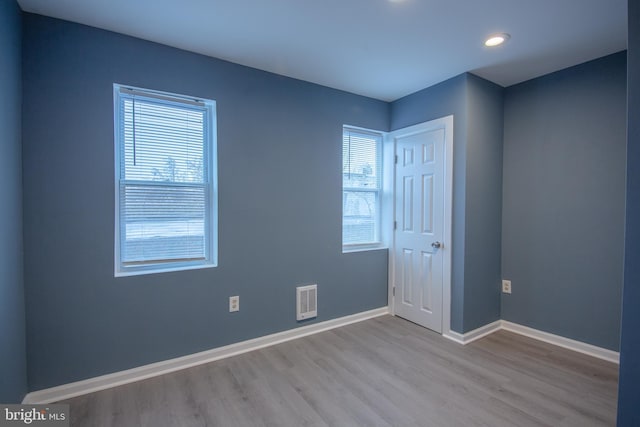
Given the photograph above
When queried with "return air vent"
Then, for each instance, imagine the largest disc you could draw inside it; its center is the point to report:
(307, 297)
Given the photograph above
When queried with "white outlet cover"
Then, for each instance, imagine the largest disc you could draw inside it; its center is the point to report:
(506, 286)
(234, 303)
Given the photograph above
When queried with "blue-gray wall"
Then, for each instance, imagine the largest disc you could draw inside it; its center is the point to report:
(13, 373)
(280, 203)
(483, 211)
(477, 181)
(563, 215)
(629, 391)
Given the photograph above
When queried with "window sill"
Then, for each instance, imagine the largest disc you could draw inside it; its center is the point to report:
(167, 269)
(363, 248)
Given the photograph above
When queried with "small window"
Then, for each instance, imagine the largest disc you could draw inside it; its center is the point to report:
(361, 187)
(165, 180)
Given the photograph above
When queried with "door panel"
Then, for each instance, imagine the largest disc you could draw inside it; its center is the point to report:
(407, 276)
(407, 203)
(427, 204)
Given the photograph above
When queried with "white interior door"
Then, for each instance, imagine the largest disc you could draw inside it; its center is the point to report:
(419, 244)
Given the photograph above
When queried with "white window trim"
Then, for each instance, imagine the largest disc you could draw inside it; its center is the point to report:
(211, 149)
(382, 241)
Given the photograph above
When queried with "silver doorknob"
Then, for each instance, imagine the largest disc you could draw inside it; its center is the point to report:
(436, 245)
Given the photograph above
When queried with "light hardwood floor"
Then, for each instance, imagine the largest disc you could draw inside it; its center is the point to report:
(380, 372)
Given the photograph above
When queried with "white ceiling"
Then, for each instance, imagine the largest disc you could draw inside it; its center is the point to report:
(379, 48)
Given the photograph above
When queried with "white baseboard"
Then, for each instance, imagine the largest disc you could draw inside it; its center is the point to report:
(103, 382)
(90, 385)
(580, 347)
(476, 334)
(454, 336)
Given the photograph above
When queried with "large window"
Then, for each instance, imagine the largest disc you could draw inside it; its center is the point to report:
(165, 182)
(361, 186)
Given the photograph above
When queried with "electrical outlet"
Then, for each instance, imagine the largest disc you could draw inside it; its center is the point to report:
(234, 303)
(506, 286)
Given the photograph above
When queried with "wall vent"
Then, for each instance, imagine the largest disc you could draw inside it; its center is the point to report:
(307, 306)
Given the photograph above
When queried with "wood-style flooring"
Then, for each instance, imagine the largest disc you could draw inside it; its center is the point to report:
(380, 372)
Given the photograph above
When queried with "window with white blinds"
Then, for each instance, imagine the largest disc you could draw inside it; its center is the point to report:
(361, 187)
(165, 182)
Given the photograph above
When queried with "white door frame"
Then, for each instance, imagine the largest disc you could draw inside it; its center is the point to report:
(389, 150)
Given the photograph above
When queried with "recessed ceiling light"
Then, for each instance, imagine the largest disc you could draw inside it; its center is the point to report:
(496, 39)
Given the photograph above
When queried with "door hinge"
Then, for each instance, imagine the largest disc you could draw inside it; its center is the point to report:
(394, 291)
(395, 159)
(395, 225)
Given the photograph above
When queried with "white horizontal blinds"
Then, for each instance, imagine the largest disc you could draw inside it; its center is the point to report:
(361, 182)
(163, 179)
